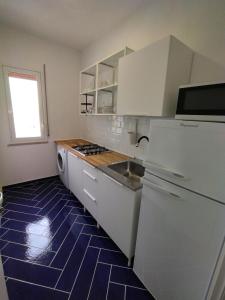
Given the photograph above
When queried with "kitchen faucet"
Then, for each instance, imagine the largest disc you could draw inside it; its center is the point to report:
(141, 138)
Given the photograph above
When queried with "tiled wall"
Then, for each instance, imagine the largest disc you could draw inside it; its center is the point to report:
(112, 132)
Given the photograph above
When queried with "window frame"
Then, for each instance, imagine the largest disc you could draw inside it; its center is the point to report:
(41, 103)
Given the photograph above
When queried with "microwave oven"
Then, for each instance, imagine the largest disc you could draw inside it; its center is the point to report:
(202, 102)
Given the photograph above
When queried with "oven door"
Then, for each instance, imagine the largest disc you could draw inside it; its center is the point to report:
(201, 102)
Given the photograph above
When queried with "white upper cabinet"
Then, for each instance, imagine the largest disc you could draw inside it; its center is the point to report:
(149, 78)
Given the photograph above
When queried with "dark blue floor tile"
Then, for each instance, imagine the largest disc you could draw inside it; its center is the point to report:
(45, 196)
(3, 221)
(62, 232)
(29, 254)
(56, 209)
(43, 190)
(29, 240)
(137, 294)
(70, 197)
(28, 228)
(2, 231)
(49, 205)
(125, 276)
(113, 258)
(73, 203)
(18, 195)
(100, 282)
(32, 273)
(116, 292)
(29, 189)
(22, 216)
(18, 290)
(59, 219)
(63, 254)
(79, 211)
(3, 244)
(22, 208)
(83, 282)
(26, 202)
(69, 274)
(105, 243)
(4, 258)
(93, 230)
(86, 220)
(64, 191)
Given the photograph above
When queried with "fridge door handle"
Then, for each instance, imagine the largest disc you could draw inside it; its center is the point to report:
(164, 170)
(159, 188)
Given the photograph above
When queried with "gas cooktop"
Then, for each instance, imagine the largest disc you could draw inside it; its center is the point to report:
(90, 149)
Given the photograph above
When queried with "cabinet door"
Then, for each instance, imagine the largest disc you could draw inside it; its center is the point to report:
(90, 189)
(141, 80)
(75, 167)
(180, 235)
(118, 210)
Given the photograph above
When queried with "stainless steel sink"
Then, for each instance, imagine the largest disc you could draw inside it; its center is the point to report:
(129, 169)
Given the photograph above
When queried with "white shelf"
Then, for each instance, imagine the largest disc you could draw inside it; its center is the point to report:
(102, 72)
(109, 87)
(88, 92)
(91, 70)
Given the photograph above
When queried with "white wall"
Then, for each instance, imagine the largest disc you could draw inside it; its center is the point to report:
(198, 23)
(27, 162)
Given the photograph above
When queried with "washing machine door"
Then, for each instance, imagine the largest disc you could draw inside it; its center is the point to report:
(61, 161)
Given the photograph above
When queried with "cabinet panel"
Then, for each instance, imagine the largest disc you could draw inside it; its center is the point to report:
(90, 189)
(75, 167)
(149, 78)
(118, 213)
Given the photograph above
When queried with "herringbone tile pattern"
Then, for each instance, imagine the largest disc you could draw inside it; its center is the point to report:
(52, 249)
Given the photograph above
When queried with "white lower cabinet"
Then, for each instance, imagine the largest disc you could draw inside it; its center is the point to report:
(118, 213)
(90, 189)
(75, 167)
(114, 206)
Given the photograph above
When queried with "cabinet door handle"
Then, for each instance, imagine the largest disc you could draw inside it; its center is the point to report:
(112, 179)
(89, 195)
(159, 188)
(89, 175)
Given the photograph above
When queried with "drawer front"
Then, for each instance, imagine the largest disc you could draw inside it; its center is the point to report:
(90, 189)
(90, 169)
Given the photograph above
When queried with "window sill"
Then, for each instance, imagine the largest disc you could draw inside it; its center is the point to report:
(27, 143)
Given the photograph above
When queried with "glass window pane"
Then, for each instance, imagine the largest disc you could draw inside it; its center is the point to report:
(25, 105)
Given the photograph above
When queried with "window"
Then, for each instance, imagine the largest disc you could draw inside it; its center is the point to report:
(26, 105)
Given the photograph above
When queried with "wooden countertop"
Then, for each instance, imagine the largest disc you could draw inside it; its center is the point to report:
(95, 160)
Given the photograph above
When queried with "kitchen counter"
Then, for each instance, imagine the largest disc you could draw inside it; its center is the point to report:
(101, 161)
(97, 160)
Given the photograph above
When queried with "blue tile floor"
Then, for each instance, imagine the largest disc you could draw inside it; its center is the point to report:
(52, 249)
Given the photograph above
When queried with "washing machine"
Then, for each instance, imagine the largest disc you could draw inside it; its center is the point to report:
(62, 165)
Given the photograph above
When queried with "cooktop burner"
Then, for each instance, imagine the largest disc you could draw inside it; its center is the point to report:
(90, 149)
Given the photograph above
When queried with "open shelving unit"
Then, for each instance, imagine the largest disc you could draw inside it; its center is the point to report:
(98, 85)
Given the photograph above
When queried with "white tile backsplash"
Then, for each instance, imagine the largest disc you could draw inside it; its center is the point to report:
(114, 132)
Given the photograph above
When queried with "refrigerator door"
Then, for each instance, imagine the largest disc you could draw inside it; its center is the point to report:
(180, 237)
(189, 154)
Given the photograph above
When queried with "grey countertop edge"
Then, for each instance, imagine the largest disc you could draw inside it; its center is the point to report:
(121, 179)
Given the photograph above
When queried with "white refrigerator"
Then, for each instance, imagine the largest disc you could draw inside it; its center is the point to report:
(180, 241)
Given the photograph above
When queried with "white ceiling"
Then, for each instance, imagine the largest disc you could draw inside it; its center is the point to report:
(75, 23)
